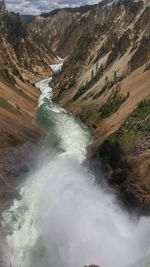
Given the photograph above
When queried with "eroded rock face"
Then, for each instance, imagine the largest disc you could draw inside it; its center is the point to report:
(106, 55)
(15, 164)
(19, 137)
(103, 36)
(128, 170)
(51, 29)
(20, 52)
(104, 61)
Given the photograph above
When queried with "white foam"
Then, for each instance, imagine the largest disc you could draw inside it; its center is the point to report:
(57, 67)
(63, 218)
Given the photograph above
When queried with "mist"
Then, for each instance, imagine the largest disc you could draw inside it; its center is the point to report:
(63, 217)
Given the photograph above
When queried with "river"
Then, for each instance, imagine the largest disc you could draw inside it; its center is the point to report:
(63, 218)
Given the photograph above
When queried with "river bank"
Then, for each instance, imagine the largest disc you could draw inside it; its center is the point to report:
(121, 137)
(19, 136)
(62, 214)
(125, 159)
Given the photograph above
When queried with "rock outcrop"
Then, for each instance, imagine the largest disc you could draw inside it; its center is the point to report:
(19, 137)
(105, 76)
(22, 54)
(18, 100)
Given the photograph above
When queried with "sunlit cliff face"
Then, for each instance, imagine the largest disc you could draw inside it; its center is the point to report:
(63, 218)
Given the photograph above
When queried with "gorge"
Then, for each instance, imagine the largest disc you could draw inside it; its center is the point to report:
(56, 210)
(63, 218)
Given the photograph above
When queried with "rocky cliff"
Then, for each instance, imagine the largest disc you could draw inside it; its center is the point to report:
(18, 100)
(25, 55)
(106, 82)
(21, 54)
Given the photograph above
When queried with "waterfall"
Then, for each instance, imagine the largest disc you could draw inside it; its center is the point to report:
(63, 218)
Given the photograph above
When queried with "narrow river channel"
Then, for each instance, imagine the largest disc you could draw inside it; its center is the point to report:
(63, 218)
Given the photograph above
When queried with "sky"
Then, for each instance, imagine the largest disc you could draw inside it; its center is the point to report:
(36, 7)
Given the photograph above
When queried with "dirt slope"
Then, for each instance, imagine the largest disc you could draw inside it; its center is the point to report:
(106, 76)
(18, 135)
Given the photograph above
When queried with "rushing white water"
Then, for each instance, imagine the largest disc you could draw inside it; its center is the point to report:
(57, 67)
(63, 219)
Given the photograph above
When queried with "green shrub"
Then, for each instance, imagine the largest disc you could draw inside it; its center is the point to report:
(137, 123)
(14, 28)
(128, 140)
(139, 120)
(109, 84)
(113, 103)
(94, 79)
